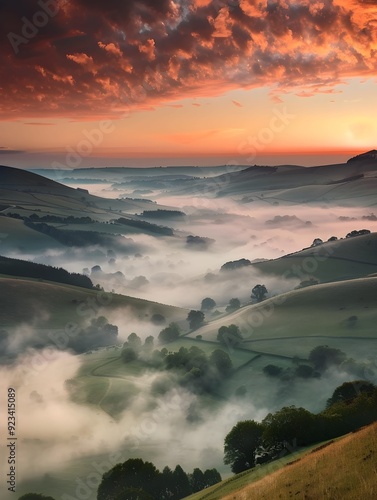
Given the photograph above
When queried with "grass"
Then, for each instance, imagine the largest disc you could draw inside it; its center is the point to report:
(295, 314)
(344, 470)
(333, 261)
(244, 479)
(51, 305)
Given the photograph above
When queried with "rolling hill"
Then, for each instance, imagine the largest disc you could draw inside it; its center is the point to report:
(53, 305)
(338, 260)
(344, 469)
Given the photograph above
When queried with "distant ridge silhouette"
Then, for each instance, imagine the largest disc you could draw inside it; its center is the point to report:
(368, 156)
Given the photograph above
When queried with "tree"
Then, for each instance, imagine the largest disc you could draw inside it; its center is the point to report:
(230, 335)
(259, 292)
(211, 477)
(181, 483)
(208, 304)
(35, 496)
(304, 371)
(196, 319)
(348, 391)
(132, 476)
(149, 343)
(241, 444)
(170, 333)
(158, 319)
(289, 425)
(233, 305)
(222, 361)
(323, 356)
(316, 242)
(272, 370)
(129, 354)
(134, 341)
(197, 480)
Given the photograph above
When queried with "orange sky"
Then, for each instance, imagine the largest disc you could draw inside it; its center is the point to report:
(240, 80)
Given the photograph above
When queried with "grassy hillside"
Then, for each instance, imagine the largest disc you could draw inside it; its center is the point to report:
(52, 305)
(336, 260)
(295, 314)
(343, 470)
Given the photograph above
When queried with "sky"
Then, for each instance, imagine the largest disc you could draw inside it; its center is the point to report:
(174, 82)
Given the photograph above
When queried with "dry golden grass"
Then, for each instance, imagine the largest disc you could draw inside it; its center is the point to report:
(346, 469)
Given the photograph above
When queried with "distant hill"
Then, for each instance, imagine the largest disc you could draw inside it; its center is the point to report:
(25, 269)
(368, 156)
(54, 305)
(341, 470)
(352, 183)
(342, 259)
(30, 191)
(295, 315)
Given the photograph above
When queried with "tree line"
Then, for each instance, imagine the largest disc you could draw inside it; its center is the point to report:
(351, 406)
(26, 269)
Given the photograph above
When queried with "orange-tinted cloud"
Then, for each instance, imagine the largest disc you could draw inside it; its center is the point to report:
(93, 58)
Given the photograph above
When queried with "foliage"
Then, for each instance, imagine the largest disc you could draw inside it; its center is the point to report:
(352, 405)
(324, 356)
(99, 333)
(129, 354)
(195, 319)
(208, 304)
(348, 391)
(146, 226)
(230, 335)
(356, 232)
(139, 480)
(74, 238)
(35, 496)
(259, 292)
(241, 444)
(233, 305)
(272, 370)
(290, 424)
(222, 361)
(158, 319)
(304, 371)
(170, 333)
(16, 267)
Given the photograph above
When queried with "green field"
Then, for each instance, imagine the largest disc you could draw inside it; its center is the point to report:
(52, 305)
(296, 314)
(332, 261)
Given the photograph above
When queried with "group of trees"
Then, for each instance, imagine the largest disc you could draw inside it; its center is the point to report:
(73, 238)
(230, 336)
(319, 360)
(352, 405)
(146, 226)
(139, 480)
(99, 333)
(16, 267)
(194, 369)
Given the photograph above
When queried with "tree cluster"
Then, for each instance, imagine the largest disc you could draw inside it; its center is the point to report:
(17, 267)
(352, 405)
(320, 359)
(146, 226)
(230, 336)
(139, 480)
(73, 238)
(99, 333)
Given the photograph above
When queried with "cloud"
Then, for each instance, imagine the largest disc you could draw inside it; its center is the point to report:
(238, 104)
(145, 53)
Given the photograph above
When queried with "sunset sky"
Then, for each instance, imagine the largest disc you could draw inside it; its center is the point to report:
(157, 82)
